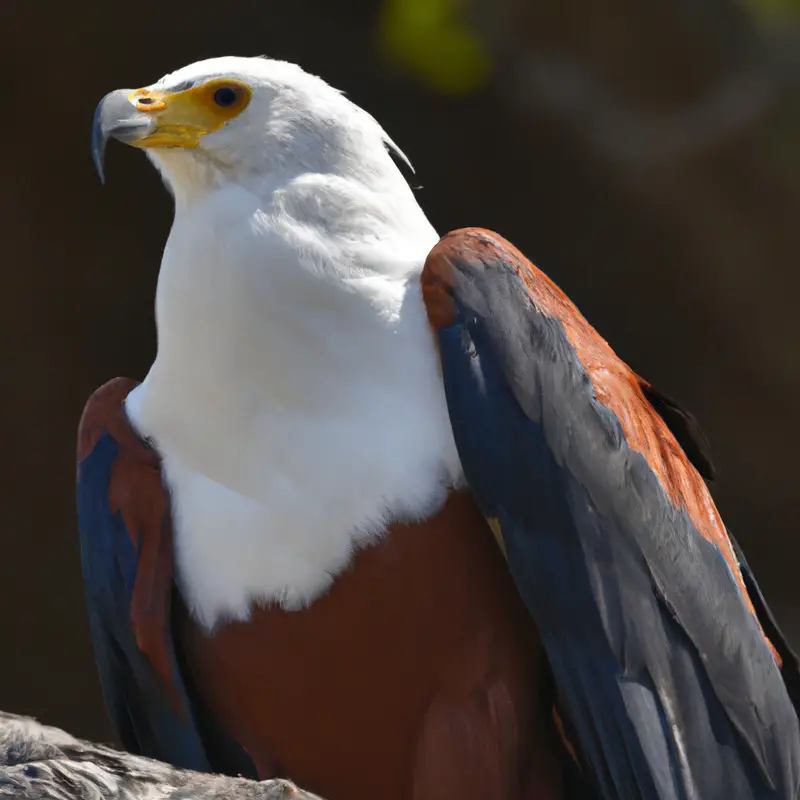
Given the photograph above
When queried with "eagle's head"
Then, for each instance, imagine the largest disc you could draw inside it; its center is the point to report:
(244, 120)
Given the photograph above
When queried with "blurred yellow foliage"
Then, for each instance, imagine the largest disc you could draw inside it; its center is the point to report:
(432, 40)
(773, 12)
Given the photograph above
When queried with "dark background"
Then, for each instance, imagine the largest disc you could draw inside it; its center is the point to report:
(646, 153)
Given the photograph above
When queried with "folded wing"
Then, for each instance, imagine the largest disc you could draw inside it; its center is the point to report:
(667, 684)
(126, 551)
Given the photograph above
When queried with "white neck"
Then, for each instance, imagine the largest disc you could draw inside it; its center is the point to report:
(295, 398)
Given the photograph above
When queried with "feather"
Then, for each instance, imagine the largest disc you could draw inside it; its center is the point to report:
(39, 762)
(666, 681)
(126, 552)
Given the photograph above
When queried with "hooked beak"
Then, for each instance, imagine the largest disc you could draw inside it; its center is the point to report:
(177, 117)
(154, 118)
(117, 117)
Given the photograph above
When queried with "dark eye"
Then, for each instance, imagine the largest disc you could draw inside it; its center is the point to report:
(225, 96)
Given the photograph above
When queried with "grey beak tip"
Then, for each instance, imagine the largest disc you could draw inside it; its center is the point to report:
(98, 155)
(97, 158)
(99, 138)
(116, 118)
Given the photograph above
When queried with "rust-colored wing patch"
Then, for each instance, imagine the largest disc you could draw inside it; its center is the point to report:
(615, 385)
(136, 492)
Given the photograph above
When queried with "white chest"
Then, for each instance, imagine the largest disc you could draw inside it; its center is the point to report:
(294, 424)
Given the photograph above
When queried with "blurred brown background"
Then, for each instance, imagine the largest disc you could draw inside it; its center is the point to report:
(646, 153)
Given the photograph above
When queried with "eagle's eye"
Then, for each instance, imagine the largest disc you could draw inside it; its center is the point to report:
(223, 98)
(226, 96)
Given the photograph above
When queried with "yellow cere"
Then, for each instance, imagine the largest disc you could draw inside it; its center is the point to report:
(183, 117)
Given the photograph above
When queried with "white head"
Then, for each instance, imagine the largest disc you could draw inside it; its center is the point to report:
(232, 118)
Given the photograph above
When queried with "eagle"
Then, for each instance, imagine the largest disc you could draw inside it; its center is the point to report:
(387, 517)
